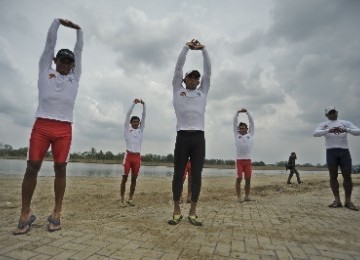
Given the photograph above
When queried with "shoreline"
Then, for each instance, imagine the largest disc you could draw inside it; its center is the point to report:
(215, 166)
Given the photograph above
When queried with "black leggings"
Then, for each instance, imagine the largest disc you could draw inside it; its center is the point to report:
(189, 144)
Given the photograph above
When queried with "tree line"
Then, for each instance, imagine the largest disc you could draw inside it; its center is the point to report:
(7, 151)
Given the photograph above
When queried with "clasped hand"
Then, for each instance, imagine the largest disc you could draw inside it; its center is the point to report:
(337, 130)
(195, 45)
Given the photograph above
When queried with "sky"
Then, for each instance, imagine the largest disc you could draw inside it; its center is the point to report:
(284, 61)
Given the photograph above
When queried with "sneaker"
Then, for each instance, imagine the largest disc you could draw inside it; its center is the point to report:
(194, 220)
(122, 204)
(131, 203)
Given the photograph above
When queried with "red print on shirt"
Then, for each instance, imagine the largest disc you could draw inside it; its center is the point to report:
(183, 94)
(52, 75)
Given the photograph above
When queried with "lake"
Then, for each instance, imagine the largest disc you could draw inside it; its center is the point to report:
(17, 167)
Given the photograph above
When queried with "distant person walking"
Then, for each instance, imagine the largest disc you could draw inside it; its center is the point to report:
(53, 124)
(337, 154)
(244, 138)
(292, 167)
(133, 134)
(189, 104)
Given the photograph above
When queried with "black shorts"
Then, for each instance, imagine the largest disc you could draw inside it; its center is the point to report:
(336, 157)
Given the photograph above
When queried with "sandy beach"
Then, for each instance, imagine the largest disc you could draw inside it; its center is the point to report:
(281, 222)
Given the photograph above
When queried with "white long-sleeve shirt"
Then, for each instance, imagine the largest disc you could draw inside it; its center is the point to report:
(190, 105)
(244, 143)
(333, 140)
(57, 93)
(133, 137)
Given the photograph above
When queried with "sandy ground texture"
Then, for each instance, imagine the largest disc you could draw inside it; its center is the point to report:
(281, 222)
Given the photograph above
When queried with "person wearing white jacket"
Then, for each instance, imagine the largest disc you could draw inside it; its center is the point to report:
(337, 154)
(244, 140)
(189, 105)
(133, 134)
(57, 90)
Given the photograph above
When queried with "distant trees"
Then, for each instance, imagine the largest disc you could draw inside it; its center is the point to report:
(281, 163)
(8, 151)
(261, 163)
(93, 155)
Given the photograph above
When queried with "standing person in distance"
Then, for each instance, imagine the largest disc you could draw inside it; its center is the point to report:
(133, 134)
(189, 104)
(244, 139)
(53, 124)
(292, 167)
(337, 154)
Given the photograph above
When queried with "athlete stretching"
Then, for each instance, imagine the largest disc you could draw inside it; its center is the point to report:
(244, 144)
(53, 125)
(189, 104)
(133, 134)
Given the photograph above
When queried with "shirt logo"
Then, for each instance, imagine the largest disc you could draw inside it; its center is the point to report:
(52, 75)
(183, 94)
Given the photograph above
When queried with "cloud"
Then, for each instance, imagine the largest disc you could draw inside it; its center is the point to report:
(283, 60)
(313, 52)
(14, 101)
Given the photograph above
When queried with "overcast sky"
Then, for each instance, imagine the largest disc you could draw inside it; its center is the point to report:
(284, 61)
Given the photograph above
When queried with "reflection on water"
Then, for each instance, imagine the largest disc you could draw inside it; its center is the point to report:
(17, 167)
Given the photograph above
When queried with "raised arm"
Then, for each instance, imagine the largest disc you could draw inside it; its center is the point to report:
(251, 123)
(78, 53)
(49, 49)
(78, 45)
(127, 118)
(205, 80)
(236, 122)
(178, 73)
(143, 116)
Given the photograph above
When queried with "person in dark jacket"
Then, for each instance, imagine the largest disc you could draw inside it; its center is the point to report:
(292, 167)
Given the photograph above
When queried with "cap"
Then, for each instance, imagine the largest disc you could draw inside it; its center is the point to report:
(194, 73)
(65, 53)
(328, 109)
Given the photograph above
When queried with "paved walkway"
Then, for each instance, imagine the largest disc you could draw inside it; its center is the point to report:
(273, 226)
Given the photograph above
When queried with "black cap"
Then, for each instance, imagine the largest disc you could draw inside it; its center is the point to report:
(193, 73)
(65, 53)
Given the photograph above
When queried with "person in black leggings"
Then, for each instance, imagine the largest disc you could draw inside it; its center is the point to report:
(189, 104)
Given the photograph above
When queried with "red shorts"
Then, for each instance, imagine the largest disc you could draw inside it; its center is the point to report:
(187, 171)
(132, 161)
(243, 166)
(48, 132)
